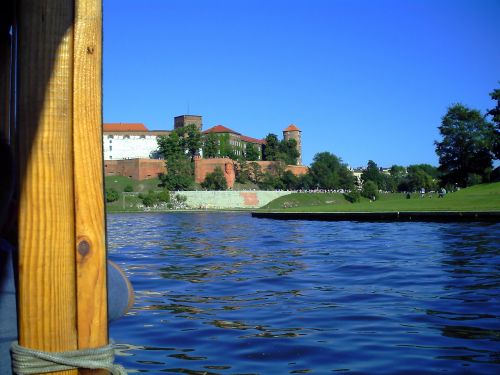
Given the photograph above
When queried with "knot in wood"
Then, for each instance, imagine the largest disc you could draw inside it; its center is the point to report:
(83, 248)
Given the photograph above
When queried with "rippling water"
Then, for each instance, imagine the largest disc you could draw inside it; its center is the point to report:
(223, 293)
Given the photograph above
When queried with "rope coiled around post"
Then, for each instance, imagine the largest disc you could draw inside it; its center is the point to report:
(31, 361)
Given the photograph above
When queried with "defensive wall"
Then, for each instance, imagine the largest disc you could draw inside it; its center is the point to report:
(138, 169)
(142, 169)
(230, 199)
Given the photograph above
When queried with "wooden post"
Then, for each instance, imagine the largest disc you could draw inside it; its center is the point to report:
(62, 260)
(89, 190)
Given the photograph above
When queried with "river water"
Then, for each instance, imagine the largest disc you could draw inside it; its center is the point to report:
(224, 293)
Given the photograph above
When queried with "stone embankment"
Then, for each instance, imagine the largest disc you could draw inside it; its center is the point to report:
(229, 199)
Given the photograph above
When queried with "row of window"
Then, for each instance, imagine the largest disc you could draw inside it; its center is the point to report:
(127, 136)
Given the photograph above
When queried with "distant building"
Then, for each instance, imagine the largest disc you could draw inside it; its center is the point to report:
(293, 132)
(125, 141)
(130, 141)
(185, 120)
(232, 140)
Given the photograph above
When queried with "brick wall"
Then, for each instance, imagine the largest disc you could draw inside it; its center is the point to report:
(138, 169)
(142, 169)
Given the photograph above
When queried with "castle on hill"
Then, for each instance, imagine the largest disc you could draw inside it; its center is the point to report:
(131, 149)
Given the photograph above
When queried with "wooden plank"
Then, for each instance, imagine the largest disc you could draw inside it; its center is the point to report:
(47, 292)
(89, 186)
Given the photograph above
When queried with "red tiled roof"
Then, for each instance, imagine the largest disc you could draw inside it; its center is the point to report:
(220, 129)
(124, 127)
(244, 138)
(292, 128)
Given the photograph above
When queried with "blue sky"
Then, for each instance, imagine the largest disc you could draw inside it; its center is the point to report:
(363, 79)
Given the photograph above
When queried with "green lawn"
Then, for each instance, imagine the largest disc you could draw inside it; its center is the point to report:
(485, 197)
(119, 183)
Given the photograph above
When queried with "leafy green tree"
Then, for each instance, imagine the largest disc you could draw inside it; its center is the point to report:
(180, 174)
(210, 145)
(271, 148)
(111, 195)
(170, 146)
(372, 173)
(418, 178)
(270, 181)
(287, 152)
(215, 180)
(328, 172)
(370, 190)
(251, 152)
(190, 139)
(305, 182)
(290, 181)
(495, 114)
(466, 147)
(255, 172)
(242, 171)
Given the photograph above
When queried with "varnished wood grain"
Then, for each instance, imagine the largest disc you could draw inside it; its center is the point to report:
(89, 198)
(47, 285)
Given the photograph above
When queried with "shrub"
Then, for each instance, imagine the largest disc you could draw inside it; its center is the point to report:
(111, 195)
(353, 197)
(128, 189)
(215, 180)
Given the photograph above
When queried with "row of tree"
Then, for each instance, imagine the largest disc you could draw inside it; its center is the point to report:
(470, 144)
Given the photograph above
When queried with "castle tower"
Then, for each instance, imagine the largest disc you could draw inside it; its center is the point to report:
(293, 132)
(184, 120)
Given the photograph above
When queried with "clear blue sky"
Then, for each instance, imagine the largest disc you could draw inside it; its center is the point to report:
(361, 79)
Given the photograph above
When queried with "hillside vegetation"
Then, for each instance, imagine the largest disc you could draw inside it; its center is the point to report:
(484, 197)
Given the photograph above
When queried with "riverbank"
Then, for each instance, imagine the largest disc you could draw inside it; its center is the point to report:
(485, 197)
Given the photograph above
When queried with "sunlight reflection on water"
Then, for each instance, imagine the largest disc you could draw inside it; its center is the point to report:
(223, 293)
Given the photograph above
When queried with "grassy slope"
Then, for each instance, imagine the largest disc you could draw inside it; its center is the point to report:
(119, 182)
(484, 197)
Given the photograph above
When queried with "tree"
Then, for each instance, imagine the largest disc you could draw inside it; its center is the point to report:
(290, 181)
(328, 172)
(370, 190)
(421, 176)
(287, 152)
(210, 146)
(180, 174)
(242, 171)
(170, 146)
(251, 152)
(495, 114)
(215, 180)
(271, 147)
(255, 172)
(190, 139)
(372, 173)
(397, 174)
(467, 146)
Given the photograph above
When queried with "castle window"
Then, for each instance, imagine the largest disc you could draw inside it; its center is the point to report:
(143, 137)
(110, 148)
(110, 136)
(126, 136)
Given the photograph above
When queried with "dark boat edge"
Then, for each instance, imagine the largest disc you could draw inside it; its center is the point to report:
(425, 216)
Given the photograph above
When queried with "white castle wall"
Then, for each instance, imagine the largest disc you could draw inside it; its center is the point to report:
(118, 147)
